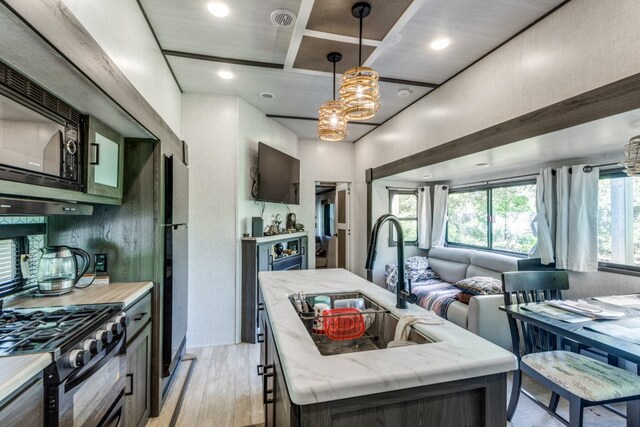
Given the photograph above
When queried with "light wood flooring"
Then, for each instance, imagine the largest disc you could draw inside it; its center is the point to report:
(225, 391)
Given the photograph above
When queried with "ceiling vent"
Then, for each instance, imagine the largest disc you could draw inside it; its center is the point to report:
(283, 18)
(267, 95)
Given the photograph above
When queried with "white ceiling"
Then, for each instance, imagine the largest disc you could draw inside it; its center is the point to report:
(307, 129)
(474, 27)
(597, 142)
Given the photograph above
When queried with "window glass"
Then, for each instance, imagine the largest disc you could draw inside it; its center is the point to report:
(8, 260)
(619, 220)
(513, 209)
(468, 218)
(405, 207)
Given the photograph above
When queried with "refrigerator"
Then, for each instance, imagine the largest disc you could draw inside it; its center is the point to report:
(176, 256)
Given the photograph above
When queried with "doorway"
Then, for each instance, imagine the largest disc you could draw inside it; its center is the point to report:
(332, 225)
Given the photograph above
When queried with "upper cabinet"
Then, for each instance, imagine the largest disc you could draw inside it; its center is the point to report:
(105, 158)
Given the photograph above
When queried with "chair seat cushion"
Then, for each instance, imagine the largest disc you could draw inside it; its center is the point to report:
(582, 376)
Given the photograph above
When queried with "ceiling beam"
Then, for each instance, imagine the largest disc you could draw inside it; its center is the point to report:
(249, 63)
(212, 58)
(315, 119)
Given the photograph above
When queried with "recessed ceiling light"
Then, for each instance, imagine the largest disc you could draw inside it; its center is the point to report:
(440, 43)
(218, 9)
(482, 165)
(427, 176)
(224, 74)
(403, 93)
(267, 95)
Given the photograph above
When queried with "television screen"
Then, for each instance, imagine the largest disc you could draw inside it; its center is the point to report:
(278, 176)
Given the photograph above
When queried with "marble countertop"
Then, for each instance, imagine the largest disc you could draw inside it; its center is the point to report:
(126, 293)
(16, 370)
(311, 377)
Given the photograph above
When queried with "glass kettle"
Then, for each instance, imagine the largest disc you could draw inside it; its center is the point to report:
(58, 270)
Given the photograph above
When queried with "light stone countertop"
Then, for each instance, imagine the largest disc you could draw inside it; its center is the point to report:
(312, 378)
(276, 237)
(126, 293)
(16, 370)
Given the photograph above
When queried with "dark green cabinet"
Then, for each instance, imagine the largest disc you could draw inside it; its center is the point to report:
(138, 388)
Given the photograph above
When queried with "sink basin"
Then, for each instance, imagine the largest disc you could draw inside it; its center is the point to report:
(381, 327)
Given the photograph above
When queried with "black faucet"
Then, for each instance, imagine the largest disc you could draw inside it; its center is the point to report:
(403, 293)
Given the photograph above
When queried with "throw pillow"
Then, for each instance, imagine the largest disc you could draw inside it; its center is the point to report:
(479, 285)
(391, 275)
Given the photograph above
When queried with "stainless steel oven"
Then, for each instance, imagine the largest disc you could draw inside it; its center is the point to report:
(92, 395)
(40, 135)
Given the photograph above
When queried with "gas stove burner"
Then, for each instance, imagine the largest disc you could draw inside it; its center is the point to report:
(49, 329)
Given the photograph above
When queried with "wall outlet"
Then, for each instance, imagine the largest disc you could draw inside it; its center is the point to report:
(100, 263)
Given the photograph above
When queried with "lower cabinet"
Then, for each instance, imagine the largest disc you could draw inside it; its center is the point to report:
(26, 408)
(137, 392)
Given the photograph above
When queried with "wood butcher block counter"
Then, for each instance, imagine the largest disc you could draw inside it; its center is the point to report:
(126, 293)
(15, 371)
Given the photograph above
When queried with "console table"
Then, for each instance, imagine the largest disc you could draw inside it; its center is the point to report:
(258, 255)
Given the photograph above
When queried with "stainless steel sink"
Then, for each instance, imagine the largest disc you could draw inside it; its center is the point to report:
(379, 333)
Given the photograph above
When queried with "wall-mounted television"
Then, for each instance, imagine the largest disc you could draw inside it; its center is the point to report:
(278, 176)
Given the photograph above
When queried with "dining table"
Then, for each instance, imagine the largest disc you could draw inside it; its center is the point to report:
(580, 335)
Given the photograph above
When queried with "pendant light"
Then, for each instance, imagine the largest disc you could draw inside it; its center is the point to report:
(632, 157)
(359, 85)
(332, 126)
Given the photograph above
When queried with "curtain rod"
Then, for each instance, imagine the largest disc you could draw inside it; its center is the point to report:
(404, 188)
(586, 168)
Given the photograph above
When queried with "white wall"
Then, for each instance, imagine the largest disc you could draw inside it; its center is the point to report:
(327, 162)
(210, 124)
(582, 46)
(223, 134)
(121, 30)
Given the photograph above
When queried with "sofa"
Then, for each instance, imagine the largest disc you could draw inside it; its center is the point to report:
(450, 265)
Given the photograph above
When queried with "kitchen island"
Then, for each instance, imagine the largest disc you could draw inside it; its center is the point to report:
(457, 379)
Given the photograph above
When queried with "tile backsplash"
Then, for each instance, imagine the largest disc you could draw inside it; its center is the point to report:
(36, 242)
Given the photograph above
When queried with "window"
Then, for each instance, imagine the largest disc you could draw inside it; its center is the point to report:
(404, 205)
(497, 218)
(619, 220)
(8, 257)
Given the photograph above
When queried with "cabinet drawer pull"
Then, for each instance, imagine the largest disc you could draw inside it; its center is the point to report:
(130, 378)
(260, 369)
(267, 393)
(96, 156)
(260, 338)
(260, 306)
(139, 317)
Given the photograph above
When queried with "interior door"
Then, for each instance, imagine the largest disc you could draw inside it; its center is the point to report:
(343, 231)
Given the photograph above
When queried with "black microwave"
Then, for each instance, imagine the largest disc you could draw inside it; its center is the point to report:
(40, 135)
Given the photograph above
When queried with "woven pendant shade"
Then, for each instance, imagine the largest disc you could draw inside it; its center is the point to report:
(332, 125)
(632, 153)
(360, 93)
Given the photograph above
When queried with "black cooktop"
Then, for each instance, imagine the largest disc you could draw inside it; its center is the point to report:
(50, 329)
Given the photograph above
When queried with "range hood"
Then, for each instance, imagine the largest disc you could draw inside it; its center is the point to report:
(11, 206)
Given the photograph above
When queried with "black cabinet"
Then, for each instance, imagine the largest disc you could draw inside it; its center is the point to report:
(259, 254)
(138, 388)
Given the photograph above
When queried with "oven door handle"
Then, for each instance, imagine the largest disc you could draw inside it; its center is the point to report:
(114, 413)
(78, 378)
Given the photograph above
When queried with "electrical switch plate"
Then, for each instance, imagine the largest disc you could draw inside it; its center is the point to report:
(100, 263)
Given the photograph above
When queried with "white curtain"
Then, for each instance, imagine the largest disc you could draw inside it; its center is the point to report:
(583, 208)
(440, 205)
(563, 190)
(543, 223)
(424, 218)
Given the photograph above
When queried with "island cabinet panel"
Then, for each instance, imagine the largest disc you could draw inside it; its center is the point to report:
(26, 408)
(138, 388)
(480, 401)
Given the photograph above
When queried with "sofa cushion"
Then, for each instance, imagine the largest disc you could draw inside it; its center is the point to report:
(480, 285)
(490, 264)
(450, 264)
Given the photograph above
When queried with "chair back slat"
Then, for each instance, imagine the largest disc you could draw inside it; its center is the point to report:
(523, 287)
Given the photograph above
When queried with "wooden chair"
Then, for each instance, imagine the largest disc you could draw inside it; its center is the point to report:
(581, 380)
